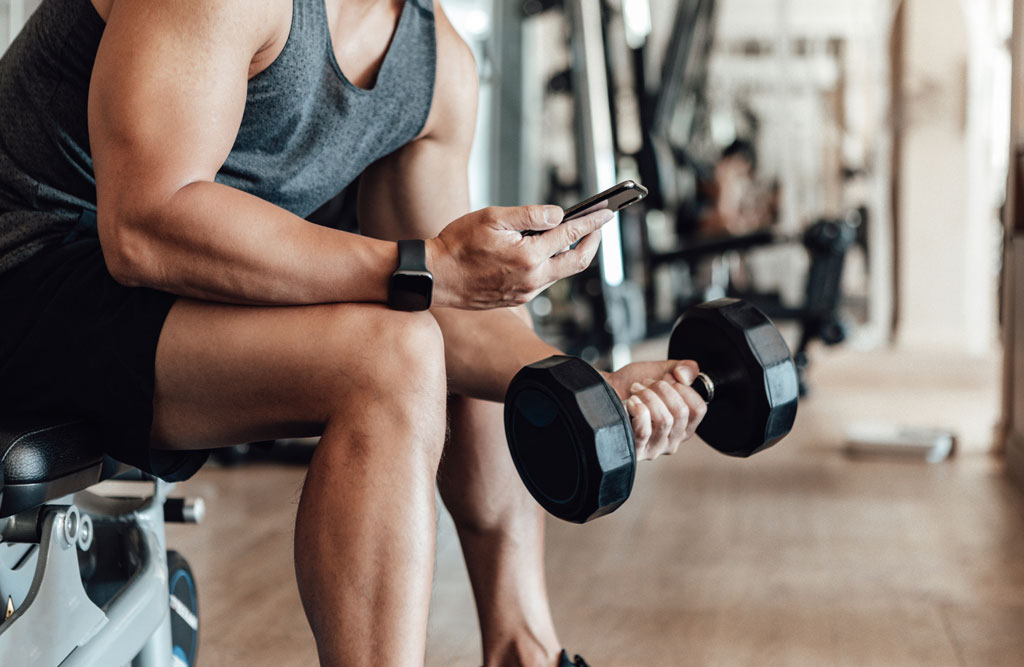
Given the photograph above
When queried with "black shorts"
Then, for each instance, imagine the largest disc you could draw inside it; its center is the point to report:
(75, 343)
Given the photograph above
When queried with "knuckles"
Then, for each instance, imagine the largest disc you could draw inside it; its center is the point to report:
(530, 284)
(573, 234)
(535, 217)
(522, 262)
(662, 423)
(581, 262)
(491, 214)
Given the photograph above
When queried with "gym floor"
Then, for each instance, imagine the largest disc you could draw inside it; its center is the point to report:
(799, 556)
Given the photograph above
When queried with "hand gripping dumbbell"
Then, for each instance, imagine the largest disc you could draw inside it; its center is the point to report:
(570, 435)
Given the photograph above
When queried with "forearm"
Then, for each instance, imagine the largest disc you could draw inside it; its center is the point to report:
(485, 349)
(213, 242)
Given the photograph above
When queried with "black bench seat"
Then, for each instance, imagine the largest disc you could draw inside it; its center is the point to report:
(44, 458)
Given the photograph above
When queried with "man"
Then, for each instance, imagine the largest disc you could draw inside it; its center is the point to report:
(156, 157)
(728, 201)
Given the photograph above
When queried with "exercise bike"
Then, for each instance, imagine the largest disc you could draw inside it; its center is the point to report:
(86, 579)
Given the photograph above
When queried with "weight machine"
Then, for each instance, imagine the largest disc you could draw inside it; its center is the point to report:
(672, 118)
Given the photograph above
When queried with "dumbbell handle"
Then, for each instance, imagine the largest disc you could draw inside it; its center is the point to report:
(710, 384)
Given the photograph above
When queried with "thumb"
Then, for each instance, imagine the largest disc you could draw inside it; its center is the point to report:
(684, 372)
(570, 233)
(533, 218)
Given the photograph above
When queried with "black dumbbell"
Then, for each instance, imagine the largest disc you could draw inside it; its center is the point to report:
(570, 436)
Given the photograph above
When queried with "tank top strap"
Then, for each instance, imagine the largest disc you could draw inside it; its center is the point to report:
(424, 5)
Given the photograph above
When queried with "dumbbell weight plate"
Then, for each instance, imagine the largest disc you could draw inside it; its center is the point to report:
(755, 379)
(570, 438)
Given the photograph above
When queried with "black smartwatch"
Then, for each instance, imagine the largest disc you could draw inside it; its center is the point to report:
(411, 284)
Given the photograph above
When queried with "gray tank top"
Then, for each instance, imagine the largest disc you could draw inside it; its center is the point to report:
(306, 132)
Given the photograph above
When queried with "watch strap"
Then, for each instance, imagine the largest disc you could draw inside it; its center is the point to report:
(412, 255)
(411, 285)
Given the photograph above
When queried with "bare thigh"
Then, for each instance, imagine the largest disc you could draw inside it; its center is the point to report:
(230, 374)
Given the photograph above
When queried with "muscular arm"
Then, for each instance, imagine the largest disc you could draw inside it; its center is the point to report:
(415, 191)
(166, 100)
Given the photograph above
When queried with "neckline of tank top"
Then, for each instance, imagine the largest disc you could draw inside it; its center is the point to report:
(400, 29)
(329, 45)
(321, 19)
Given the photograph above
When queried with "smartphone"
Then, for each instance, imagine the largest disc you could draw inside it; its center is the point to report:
(615, 198)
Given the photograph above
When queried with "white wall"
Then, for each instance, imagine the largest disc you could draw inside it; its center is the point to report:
(952, 166)
(932, 211)
(12, 16)
(950, 186)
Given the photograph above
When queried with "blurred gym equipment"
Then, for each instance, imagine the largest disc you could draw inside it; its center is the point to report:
(673, 126)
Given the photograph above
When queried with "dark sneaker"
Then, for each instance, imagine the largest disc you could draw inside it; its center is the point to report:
(576, 662)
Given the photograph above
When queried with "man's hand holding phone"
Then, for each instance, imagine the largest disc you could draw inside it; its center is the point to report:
(501, 257)
(483, 260)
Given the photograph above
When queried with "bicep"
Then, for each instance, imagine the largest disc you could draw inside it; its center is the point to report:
(413, 193)
(166, 96)
(416, 191)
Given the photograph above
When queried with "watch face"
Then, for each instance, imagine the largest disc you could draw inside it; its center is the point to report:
(410, 290)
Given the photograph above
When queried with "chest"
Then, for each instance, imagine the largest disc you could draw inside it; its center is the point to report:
(307, 129)
(359, 37)
(360, 42)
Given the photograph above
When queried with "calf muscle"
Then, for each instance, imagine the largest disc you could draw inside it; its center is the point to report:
(373, 382)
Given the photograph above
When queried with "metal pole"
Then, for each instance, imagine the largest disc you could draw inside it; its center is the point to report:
(506, 104)
(595, 141)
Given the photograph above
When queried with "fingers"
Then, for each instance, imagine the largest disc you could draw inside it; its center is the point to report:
(640, 420)
(573, 261)
(696, 407)
(528, 218)
(570, 232)
(547, 257)
(664, 414)
(684, 372)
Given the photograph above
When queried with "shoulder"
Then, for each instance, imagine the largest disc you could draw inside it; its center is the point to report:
(453, 110)
(455, 61)
(263, 21)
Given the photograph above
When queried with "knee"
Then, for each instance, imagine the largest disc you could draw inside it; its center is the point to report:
(365, 353)
(387, 352)
(390, 363)
(410, 349)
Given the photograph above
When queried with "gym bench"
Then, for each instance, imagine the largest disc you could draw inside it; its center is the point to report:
(85, 579)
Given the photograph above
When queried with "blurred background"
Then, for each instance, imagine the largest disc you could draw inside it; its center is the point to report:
(853, 167)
